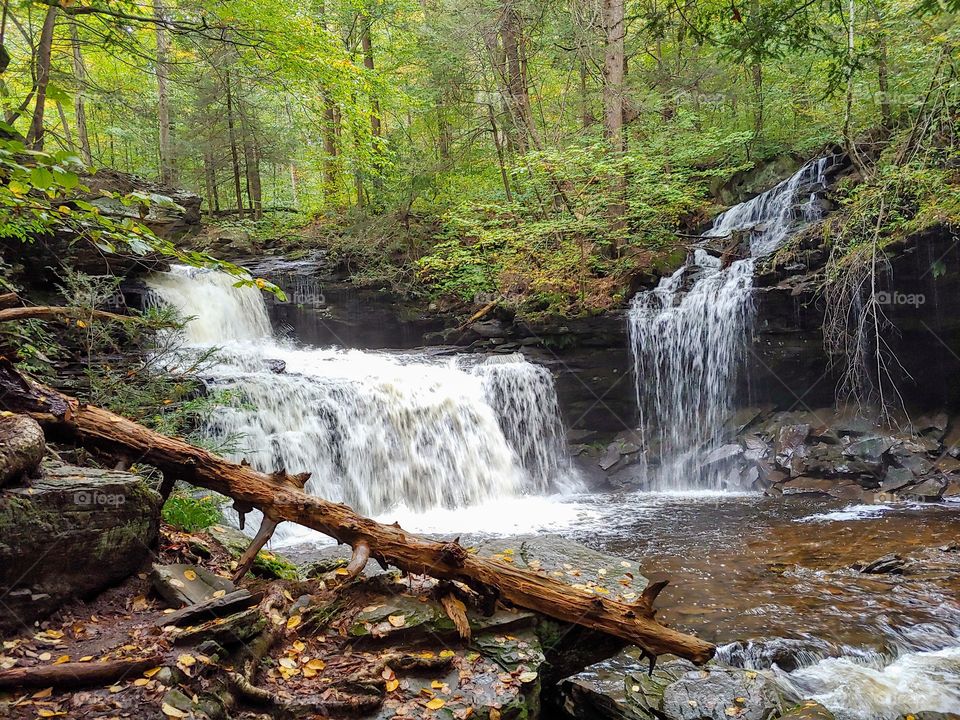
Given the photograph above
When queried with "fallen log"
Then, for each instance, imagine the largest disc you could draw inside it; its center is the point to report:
(274, 495)
(53, 312)
(77, 674)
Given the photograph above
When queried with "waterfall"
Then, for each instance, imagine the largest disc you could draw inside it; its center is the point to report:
(377, 430)
(688, 336)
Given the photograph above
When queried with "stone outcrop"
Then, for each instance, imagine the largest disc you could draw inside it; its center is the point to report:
(68, 534)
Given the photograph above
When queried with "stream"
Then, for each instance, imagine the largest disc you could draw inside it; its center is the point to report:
(448, 443)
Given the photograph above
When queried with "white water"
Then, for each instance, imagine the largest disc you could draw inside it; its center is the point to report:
(688, 337)
(379, 431)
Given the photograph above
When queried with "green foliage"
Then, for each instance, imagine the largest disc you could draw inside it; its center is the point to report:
(190, 513)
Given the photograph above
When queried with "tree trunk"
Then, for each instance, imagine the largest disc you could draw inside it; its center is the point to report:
(210, 178)
(79, 111)
(613, 105)
(251, 163)
(276, 495)
(366, 43)
(234, 152)
(500, 159)
(44, 50)
(518, 98)
(883, 72)
(77, 674)
(168, 160)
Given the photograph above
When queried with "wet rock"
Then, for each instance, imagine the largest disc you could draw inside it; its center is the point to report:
(755, 448)
(808, 710)
(610, 458)
(888, 564)
(276, 366)
(913, 444)
(895, 479)
(718, 693)
(932, 426)
(181, 584)
(791, 437)
(831, 461)
(619, 688)
(723, 453)
(870, 449)
(808, 485)
(916, 464)
(69, 533)
(928, 491)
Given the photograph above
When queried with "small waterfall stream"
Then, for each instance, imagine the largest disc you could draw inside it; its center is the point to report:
(377, 430)
(688, 336)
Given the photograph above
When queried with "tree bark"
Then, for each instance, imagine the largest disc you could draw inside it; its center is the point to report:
(44, 51)
(613, 105)
(276, 496)
(234, 152)
(168, 161)
(79, 110)
(251, 164)
(77, 674)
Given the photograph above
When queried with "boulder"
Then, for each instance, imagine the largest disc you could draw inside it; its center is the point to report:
(808, 710)
(719, 693)
(870, 449)
(895, 479)
(930, 490)
(188, 584)
(21, 447)
(68, 534)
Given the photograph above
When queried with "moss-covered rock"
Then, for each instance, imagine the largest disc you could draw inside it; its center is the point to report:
(68, 534)
(267, 564)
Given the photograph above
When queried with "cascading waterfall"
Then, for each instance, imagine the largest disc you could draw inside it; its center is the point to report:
(376, 430)
(688, 336)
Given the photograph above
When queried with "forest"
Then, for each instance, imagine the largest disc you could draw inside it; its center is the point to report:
(440, 146)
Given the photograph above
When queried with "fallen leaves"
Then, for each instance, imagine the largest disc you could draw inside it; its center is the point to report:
(171, 711)
(397, 621)
(294, 621)
(435, 704)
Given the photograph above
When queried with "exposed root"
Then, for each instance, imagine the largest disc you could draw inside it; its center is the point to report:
(358, 561)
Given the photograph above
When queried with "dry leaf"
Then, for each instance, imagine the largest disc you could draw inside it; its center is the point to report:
(151, 672)
(447, 653)
(61, 660)
(527, 677)
(436, 685)
(171, 711)
(190, 575)
(316, 664)
(392, 685)
(45, 693)
(140, 682)
(436, 704)
(186, 660)
(293, 621)
(397, 620)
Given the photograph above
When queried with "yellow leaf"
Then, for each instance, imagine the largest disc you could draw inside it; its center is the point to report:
(447, 653)
(316, 664)
(81, 324)
(171, 711)
(140, 682)
(392, 685)
(341, 571)
(55, 634)
(308, 673)
(61, 660)
(63, 209)
(293, 621)
(186, 660)
(435, 704)
(397, 620)
(115, 688)
(45, 693)
(219, 593)
(151, 672)
(261, 283)
(85, 658)
(190, 575)
(298, 646)
(49, 713)
(436, 685)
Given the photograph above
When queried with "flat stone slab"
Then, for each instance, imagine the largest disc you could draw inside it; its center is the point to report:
(575, 564)
(188, 584)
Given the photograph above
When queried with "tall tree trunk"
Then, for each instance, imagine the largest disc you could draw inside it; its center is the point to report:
(44, 50)
(848, 141)
(232, 134)
(67, 135)
(613, 105)
(756, 73)
(366, 43)
(168, 161)
(251, 161)
(500, 161)
(210, 177)
(586, 108)
(883, 71)
(79, 111)
(518, 98)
